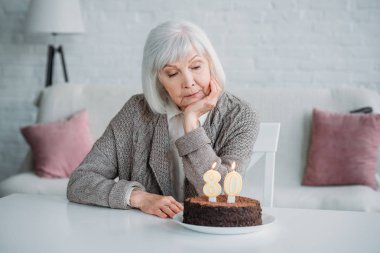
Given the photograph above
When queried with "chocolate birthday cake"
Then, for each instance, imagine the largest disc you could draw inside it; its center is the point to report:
(244, 212)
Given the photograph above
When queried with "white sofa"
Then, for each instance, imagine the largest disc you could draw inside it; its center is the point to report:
(291, 107)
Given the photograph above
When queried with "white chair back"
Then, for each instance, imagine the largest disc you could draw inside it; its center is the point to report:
(266, 146)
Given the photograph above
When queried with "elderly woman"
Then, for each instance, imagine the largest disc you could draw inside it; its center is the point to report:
(162, 142)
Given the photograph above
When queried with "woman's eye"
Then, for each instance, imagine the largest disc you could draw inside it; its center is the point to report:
(171, 75)
(196, 67)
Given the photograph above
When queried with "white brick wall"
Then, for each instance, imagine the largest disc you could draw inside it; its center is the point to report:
(260, 42)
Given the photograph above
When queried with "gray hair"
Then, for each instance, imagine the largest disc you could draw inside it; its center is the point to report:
(170, 42)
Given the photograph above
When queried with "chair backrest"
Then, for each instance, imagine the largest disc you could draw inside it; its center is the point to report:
(266, 147)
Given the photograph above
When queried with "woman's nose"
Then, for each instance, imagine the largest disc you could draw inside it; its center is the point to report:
(188, 80)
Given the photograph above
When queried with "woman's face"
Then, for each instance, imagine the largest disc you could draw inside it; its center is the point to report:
(186, 81)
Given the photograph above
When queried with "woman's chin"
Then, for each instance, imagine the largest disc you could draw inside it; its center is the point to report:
(183, 108)
(191, 101)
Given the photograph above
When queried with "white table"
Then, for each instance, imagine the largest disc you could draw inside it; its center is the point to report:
(37, 223)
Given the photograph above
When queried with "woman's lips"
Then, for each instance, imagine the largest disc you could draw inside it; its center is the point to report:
(193, 94)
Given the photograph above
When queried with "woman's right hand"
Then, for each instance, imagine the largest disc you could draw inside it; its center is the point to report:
(194, 111)
(161, 206)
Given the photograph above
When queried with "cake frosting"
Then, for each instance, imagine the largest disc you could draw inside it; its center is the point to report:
(244, 212)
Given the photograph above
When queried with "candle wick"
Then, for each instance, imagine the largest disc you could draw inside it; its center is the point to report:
(233, 165)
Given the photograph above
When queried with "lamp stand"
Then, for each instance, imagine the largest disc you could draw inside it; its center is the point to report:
(50, 64)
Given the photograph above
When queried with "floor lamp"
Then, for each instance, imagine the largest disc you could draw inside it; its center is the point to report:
(55, 17)
(52, 50)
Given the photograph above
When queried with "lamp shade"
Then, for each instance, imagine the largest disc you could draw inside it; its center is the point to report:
(54, 16)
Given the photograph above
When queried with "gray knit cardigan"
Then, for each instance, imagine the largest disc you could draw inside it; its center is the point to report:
(135, 146)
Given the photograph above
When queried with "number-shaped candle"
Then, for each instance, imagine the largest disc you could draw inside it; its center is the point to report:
(212, 188)
(233, 183)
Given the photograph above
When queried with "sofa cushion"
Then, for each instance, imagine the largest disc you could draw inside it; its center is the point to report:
(29, 182)
(102, 103)
(352, 197)
(343, 149)
(59, 147)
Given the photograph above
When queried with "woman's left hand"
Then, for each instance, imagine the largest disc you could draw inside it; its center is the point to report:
(194, 111)
(161, 206)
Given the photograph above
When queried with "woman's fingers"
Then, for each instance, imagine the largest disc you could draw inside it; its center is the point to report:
(179, 206)
(175, 203)
(175, 208)
(160, 213)
(161, 206)
(171, 206)
(212, 98)
(215, 90)
(214, 86)
(168, 211)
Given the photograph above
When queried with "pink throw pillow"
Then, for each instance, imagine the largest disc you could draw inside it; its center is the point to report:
(343, 149)
(59, 147)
